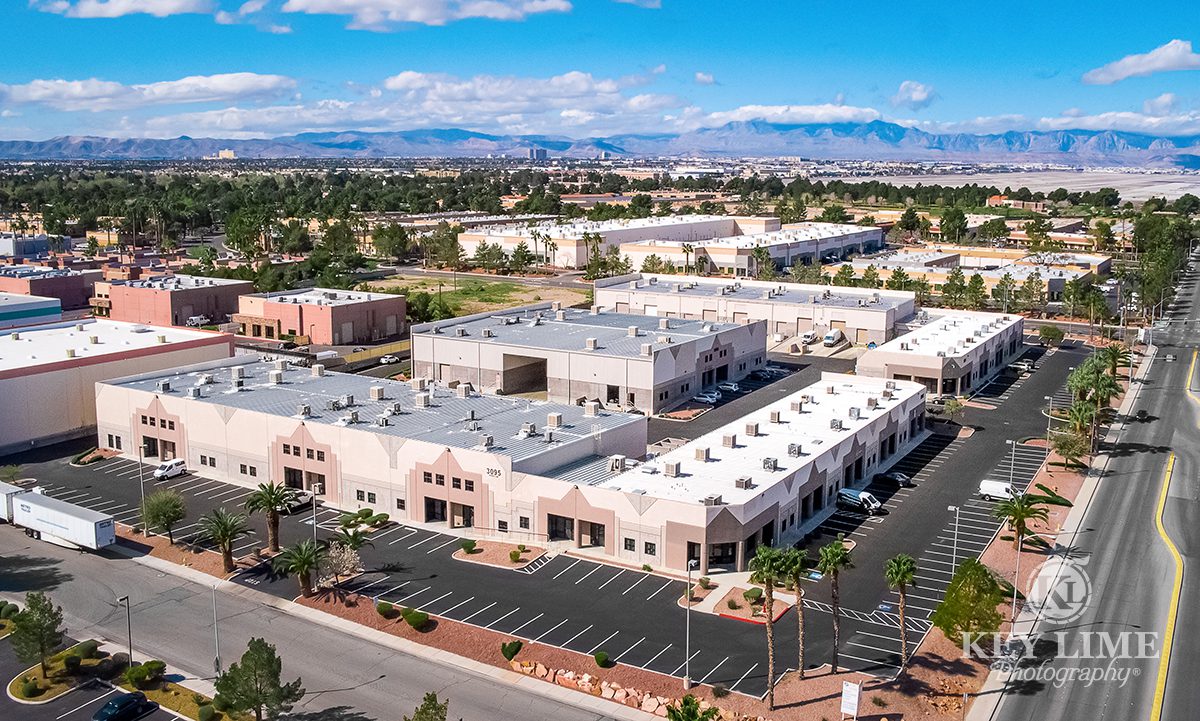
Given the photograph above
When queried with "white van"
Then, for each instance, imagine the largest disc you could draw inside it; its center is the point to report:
(832, 338)
(995, 490)
(860, 501)
(809, 337)
(170, 469)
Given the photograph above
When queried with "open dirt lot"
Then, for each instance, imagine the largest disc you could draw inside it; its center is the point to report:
(478, 296)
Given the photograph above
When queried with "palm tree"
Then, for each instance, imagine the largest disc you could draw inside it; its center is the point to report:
(688, 709)
(687, 249)
(223, 528)
(271, 498)
(795, 562)
(900, 571)
(302, 561)
(351, 538)
(1018, 511)
(1079, 417)
(1114, 355)
(834, 558)
(767, 568)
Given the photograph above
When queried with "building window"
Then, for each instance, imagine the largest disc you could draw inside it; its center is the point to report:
(439, 480)
(371, 498)
(502, 526)
(684, 388)
(651, 549)
(470, 485)
(360, 496)
(320, 455)
(630, 545)
(296, 451)
(427, 477)
(456, 483)
(254, 471)
(170, 425)
(523, 522)
(287, 449)
(243, 469)
(144, 421)
(309, 453)
(400, 504)
(153, 422)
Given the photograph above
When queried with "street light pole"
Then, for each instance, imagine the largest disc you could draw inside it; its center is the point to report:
(1016, 580)
(128, 625)
(1049, 417)
(954, 554)
(142, 489)
(687, 634)
(216, 633)
(1012, 460)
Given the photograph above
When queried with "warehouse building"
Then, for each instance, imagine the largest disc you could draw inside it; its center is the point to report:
(48, 372)
(169, 299)
(789, 309)
(18, 310)
(321, 315)
(569, 356)
(950, 353)
(71, 288)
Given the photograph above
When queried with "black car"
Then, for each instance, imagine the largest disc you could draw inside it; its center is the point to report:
(126, 707)
(894, 478)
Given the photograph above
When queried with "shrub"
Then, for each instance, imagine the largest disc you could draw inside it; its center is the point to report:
(206, 713)
(690, 594)
(119, 661)
(136, 676)
(521, 547)
(602, 659)
(879, 701)
(88, 648)
(719, 690)
(385, 609)
(733, 604)
(155, 670)
(378, 519)
(510, 650)
(646, 567)
(705, 583)
(219, 703)
(9, 611)
(514, 556)
(753, 595)
(71, 664)
(30, 688)
(346, 520)
(200, 699)
(467, 545)
(365, 513)
(416, 619)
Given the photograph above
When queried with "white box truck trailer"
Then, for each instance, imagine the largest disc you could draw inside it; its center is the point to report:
(65, 524)
(7, 493)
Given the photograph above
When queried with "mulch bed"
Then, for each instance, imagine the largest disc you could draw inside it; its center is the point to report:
(496, 553)
(754, 613)
(698, 594)
(159, 547)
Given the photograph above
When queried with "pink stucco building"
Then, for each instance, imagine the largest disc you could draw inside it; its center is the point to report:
(324, 316)
(169, 299)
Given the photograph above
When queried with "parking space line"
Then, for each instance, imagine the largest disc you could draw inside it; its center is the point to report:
(427, 540)
(427, 605)
(418, 593)
(619, 573)
(639, 641)
(876, 635)
(522, 626)
(743, 678)
(635, 585)
(232, 494)
(388, 532)
(685, 662)
(89, 702)
(564, 645)
(568, 568)
(714, 670)
(668, 583)
(593, 648)
(539, 638)
(447, 543)
(393, 588)
(931, 580)
(410, 533)
(381, 579)
(448, 610)
(872, 661)
(473, 615)
(597, 568)
(498, 620)
(107, 506)
(873, 648)
(655, 658)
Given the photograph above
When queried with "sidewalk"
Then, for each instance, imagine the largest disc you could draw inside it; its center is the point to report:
(988, 698)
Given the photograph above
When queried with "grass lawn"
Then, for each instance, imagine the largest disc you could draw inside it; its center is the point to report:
(5, 627)
(182, 700)
(58, 681)
(477, 296)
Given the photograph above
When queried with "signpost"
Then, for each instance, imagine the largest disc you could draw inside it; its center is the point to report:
(850, 694)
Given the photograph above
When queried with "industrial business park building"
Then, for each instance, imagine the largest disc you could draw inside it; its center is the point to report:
(863, 315)
(571, 355)
(72, 288)
(322, 315)
(18, 310)
(166, 300)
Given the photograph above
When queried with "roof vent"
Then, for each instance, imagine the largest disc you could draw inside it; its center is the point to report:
(318, 370)
(671, 469)
(743, 483)
(770, 464)
(554, 420)
(794, 450)
(776, 417)
(752, 429)
(375, 393)
(729, 440)
(589, 344)
(591, 408)
(164, 386)
(422, 400)
(304, 410)
(276, 377)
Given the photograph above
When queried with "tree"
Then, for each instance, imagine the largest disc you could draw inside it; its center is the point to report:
(430, 709)
(969, 605)
(844, 276)
(767, 568)
(11, 473)
(1079, 417)
(652, 264)
(37, 630)
(954, 408)
(789, 211)
(953, 225)
(342, 559)
(164, 509)
(909, 221)
(976, 293)
(1005, 289)
(270, 499)
(1033, 292)
(900, 572)
(521, 258)
(1038, 232)
(993, 229)
(1071, 447)
(688, 709)
(898, 280)
(834, 214)
(920, 288)
(687, 249)
(1114, 356)
(835, 558)
(303, 561)
(764, 264)
(223, 528)
(795, 570)
(1018, 511)
(870, 278)
(954, 290)
(254, 683)
(1050, 335)
(392, 240)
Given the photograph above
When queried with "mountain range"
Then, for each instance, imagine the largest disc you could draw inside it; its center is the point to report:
(876, 140)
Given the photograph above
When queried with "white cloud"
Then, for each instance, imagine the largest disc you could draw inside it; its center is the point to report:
(251, 6)
(1168, 125)
(982, 124)
(1162, 105)
(279, 29)
(659, 69)
(914, 95)
(120, 8)
(385, 14)
(97, 95)
(1175, 55)
(649, 4)
(704, 78)
(794, 114)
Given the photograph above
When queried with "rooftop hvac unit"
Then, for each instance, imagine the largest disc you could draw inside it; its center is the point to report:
(395, 409)
(94, 339)
(473, 426)
(632, 331)
(79, 326)
(488, 333)
(318, 370)
(713, 500)
(375, 393)
(280, 365)
(775, 417)
(616, 464)
(729, 440)
(743, 483)
(237, 372)
(560, 315)
(554, 420)
(556, 305)
(903, 346)
(275, 377)
(486, 440)
(671, 469)
(829, 390)
(161, 338)
(352, 416)
(797, 406)
(381, 420)
(770, 464)
(752, 429)
(238, 384)
(589, 344)
(193, 392)
(420, 383)
(548, 437)
(941, 354)
(890, 384)
(591, 408)
(887, 393)
(460, 332)
(422, 400)
(595, 310)
(303, 410)
(528, 428)
(463, 390)
(664, 323)
(835, 424)
(794, 450)
(347, 400)
(872, 402)
(702, 454)
(664, 339)
(332, 404)
(647, 349)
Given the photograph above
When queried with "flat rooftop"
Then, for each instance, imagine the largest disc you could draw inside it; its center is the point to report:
(324, 296)
(576, 229)
(756, 291)
(809, 429)
(799, 233)
(530, 328)
(34, 271)
(448, 420)
(39, 345)
(949, 333)
(179, 282)
(904, 259)
(12, 301)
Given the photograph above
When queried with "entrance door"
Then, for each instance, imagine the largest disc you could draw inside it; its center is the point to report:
(168, 450)
(435, 510)
(560, 528)
(316, 482)
(150, 447)
(293, 477)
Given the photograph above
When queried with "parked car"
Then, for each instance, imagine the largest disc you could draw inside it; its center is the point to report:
(1022, 366)
(995, 490)
(1142, 415)
(809, 337)
(126, 707)
(196, 321)
(894, 478)
(775, 370)
(728, 387)
(860, 501)
(389, 359)
(705, 398)
(832, 338)
(714, 393)
(358, 349)
(170, 469)
(300, 500)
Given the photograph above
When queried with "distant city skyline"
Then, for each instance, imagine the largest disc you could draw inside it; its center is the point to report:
(266, 68)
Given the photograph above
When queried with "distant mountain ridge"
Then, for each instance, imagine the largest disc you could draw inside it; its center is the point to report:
(831, 141)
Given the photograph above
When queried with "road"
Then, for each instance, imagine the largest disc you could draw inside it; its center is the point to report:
(1129, 564)
(347, 679)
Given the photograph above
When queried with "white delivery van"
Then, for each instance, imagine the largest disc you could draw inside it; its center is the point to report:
(65, 524)
(859, 501)
(995, 490)
(832, 338)
(809, 337)
(170, 469)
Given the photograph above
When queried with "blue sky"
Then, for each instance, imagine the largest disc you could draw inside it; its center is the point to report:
(261, 68)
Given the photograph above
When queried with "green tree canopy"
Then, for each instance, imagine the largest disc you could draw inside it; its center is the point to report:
(970, 603)
(254, 683)
(37, 630)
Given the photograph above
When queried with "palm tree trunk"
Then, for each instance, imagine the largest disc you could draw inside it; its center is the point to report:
(903, 628)
(799, 627)
(227, 557)
(837, 621)
(170, 536)
(273, 530)
(770, 608)
(305, 585)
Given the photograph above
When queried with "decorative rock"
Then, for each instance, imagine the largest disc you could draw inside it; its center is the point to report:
(540, 671)
(607, 692)
(661, 710)
(620, 695)
(515, 665)
(649, 704)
